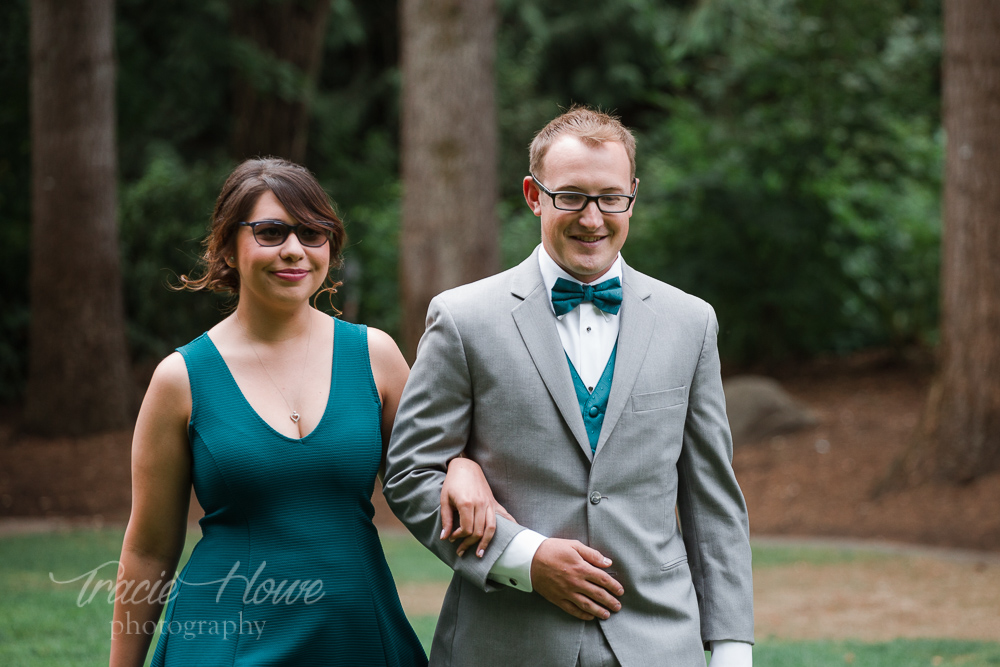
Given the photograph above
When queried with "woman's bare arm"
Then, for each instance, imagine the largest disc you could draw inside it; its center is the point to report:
(161, 492)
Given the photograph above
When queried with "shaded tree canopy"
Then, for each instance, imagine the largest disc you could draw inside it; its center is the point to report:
(789, 156)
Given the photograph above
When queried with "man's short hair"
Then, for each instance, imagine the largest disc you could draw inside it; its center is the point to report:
(590, 126)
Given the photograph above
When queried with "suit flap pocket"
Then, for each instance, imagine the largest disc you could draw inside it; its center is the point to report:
(658, 400)
(674, 563)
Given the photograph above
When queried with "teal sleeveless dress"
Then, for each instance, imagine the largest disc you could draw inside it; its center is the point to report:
(290, 570)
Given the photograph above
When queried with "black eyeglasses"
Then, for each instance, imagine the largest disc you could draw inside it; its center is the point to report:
(577, 201)
(271, 233)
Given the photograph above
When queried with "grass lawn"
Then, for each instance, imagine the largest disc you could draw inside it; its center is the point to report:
(43, 623)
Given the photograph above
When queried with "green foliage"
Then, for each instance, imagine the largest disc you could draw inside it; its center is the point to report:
(789, 156)
(797, 185)
(175, 70)
(164, 215)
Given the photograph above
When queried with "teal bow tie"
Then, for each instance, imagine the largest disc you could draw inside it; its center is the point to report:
(567, 295)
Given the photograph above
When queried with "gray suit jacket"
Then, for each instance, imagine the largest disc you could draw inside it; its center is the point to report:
(491, 380)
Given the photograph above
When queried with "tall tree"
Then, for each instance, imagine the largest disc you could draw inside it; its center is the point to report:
(450, 233)
(959, 438)
(78, 372)
(281, 48)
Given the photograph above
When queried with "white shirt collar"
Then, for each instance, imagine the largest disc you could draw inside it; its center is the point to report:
(552, 271)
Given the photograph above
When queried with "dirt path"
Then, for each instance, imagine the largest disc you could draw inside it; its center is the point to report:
(881, 598)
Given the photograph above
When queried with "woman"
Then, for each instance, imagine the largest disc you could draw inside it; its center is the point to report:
(279, 416)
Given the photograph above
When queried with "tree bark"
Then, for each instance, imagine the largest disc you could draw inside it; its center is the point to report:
(959, 436)
(273, 98)
(79, 379)
(450, 233)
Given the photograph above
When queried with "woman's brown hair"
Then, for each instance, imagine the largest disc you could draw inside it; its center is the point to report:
(299, 193)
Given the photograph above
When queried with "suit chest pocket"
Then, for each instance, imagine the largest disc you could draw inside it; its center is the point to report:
(658, 400)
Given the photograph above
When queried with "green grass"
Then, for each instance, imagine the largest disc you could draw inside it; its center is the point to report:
(410, 561)
(898, 653)
(765, 556)
(42, 624)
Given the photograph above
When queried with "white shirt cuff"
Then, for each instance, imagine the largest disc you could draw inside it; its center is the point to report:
(513, 567)
(731, 653)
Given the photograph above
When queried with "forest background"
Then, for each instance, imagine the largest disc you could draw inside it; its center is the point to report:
(790, 154)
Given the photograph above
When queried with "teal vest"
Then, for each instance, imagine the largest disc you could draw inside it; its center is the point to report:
(594, 404)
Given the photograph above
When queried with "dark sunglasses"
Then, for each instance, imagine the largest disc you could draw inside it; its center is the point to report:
(271, 233)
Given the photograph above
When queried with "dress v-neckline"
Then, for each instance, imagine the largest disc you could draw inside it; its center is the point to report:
(249, 406)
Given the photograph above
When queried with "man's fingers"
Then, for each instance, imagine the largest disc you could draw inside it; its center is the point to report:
(573, 610)
(606, 582)
(588, 606)
(593, 556)
(562, 572)
(600, 599)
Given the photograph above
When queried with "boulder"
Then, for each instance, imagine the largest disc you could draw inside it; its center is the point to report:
(759, 408)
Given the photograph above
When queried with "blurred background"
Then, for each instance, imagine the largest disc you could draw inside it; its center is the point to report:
(794, 173)
(792, 160)
(790, 152)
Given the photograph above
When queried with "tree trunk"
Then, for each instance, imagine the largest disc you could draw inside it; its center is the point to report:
(78, 372)
(959, 437)
(450, 234)
(275, 87)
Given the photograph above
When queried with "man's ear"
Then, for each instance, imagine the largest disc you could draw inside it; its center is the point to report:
(532, 195)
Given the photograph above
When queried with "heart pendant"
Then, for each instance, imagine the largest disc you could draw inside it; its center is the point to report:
(294, 416)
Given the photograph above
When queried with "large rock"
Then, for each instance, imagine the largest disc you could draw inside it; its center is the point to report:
(759, 408)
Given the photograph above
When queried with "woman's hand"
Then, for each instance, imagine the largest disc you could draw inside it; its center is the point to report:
(467, 493)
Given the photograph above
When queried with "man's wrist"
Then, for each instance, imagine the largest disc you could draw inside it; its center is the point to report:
(513, 567)
(731, 653)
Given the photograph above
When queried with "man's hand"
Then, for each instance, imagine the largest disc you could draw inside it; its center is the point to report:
(567, 574)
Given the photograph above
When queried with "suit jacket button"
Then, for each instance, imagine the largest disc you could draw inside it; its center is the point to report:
(595, 498)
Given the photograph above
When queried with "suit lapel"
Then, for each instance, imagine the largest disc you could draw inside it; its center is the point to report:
(634, 334)
(536, 324)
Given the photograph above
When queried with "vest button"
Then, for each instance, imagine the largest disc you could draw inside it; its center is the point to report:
(595, 498)
(594, 411)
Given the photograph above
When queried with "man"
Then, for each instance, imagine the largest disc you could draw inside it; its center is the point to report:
(590, 395)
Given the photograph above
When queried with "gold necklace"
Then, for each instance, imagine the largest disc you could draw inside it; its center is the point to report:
(294, 416)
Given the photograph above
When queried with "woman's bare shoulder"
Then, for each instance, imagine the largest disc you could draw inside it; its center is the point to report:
(388, 365)
(170, 387)
(382, 345)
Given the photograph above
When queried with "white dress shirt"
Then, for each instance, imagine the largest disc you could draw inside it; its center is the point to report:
(588, 336)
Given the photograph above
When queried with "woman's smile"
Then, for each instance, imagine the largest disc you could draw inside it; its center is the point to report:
(291, 275)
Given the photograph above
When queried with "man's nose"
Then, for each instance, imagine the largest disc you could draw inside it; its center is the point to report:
(591, 215)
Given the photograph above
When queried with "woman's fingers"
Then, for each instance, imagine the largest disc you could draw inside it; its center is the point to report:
(502, 511)
(488, 532)
(446, 514)
(472, 523)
